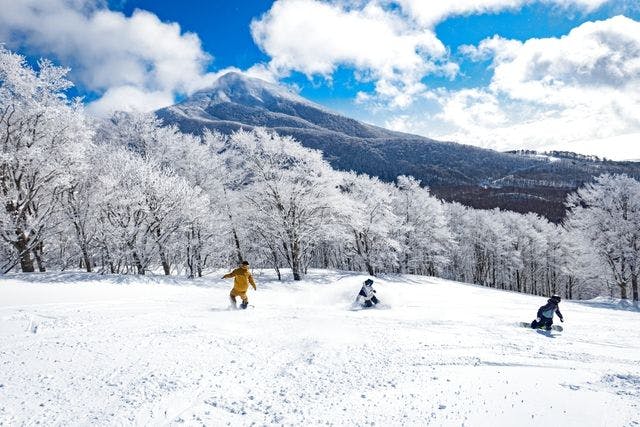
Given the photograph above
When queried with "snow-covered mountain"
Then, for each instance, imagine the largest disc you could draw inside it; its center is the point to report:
(471, 175)
(236, 100)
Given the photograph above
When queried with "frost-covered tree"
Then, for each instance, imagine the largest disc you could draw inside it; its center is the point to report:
(43, 138)
(581, 267)
(289, 190)
(370, 220)
(423, 234)
(607, 214)
(200, 164)
(79, 211)
(479, 248)
(138, 132)
(227, 183)
(145, 211)
(124, 217)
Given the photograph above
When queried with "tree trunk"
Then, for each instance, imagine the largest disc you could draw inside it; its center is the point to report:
(26, 262)
(236, 240)
(87, 260)
(189, 259)
(369, 267)
(165, 264)
(138, 263)
(80, 238)
(163, 260)
(199, 255)
(274, 256)
(296, 267)
(112, 266)
(623, 290)
(163, 257)
(634, 287)
(363, 251)
(37, 254)
(237, 243)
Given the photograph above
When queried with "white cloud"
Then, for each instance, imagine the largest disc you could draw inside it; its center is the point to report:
(594, 59)
(525, 127)
(129, 98)
(430, 13)
(261, 71)
(472, 108)
(140, 56)
(578, 92)
(316, 37)
(619, 147)
(390, 42)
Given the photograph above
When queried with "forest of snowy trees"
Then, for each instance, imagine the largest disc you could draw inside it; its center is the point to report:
(130, 196)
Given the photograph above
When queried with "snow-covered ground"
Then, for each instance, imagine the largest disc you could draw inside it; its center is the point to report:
(158, 351)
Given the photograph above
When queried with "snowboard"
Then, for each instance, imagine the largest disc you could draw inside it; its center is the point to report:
(553, 327)
(232, 308)
(359, 307)
(238, 308)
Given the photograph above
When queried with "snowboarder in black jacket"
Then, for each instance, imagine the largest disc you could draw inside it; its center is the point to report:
(367, 296)
(544, 317)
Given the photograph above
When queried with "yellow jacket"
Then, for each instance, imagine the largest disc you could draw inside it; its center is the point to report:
(241, 279)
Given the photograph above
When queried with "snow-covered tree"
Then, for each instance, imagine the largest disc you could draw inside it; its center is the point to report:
(44, 136)
(607, 214)
(370, 220)
(229, 179)
(145, 211)
(138, 132)
(79, 210)
(423, 234)
(289, 190)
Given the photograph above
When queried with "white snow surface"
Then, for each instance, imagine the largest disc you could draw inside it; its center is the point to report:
(80, 349)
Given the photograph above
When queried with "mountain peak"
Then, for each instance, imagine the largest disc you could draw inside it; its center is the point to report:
(240, 88)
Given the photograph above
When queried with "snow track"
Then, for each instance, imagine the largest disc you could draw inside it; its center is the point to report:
(156, 351)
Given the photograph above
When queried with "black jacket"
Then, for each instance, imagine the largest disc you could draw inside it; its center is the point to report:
(548, 309)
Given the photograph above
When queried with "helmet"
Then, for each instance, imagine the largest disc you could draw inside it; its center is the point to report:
(556, 298)
(368, 282)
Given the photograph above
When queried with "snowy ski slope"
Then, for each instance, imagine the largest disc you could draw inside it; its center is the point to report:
(113, 350)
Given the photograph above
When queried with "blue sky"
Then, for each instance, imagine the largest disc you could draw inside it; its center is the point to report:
(501, 74)
(223, 27)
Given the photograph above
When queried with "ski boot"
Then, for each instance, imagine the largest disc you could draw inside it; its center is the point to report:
(244, 305)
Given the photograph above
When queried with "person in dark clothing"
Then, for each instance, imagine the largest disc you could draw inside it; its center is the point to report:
(544, 317)
(366, 297)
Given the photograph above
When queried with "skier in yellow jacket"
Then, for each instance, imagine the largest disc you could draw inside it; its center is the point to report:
(241, 280)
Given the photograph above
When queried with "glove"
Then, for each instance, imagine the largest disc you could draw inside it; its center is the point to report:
(562, 319)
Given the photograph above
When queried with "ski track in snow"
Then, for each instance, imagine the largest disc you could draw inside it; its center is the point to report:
(166, 351)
